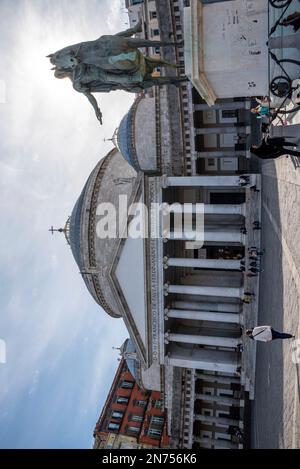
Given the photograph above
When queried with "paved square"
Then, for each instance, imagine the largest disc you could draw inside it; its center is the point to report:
(276, 416)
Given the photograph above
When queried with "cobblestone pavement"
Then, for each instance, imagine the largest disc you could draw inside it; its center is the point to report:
(275, 413)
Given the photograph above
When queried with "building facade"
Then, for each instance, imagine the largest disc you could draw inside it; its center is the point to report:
(182, 300)
(131, 417)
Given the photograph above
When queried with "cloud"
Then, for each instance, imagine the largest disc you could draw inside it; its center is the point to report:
(59, 357)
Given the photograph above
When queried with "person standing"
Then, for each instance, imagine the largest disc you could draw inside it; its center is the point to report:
(273, 147)
(266, 334)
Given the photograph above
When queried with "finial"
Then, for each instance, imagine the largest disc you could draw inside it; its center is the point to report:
(58, 230)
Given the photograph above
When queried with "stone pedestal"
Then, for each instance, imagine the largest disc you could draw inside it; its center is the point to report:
(226, 54)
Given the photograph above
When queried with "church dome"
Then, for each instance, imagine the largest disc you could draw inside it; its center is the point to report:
(146, 378)
(136, 136)
(74, 229)
(128, 351)
(112, 177)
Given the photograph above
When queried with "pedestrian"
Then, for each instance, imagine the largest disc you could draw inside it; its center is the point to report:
(273, 147)
(262, 111)
(247, 300)
(254, 264)
(253, 251)
(254, 188)
(240, 348)
(256, 225)
(247, 293)
(266, 334)
(244, 178)
(250, 275)
(255, 270)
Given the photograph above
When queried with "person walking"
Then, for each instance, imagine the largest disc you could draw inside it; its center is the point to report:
(250, 274)
(273, 147)
(266, 334)
(247, 300)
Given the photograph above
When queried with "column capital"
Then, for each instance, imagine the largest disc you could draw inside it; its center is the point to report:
(164, 181)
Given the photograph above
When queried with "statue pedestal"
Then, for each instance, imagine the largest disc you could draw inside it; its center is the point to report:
(226, 55)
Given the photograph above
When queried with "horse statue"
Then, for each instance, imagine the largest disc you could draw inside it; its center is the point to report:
(112, 62)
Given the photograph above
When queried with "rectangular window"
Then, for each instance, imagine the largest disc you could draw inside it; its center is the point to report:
(117, 415)
(154, 433)
(122, 400)
(157, 404)
(229, 114)
(157, 420)
(140, 403)
(113, 426)
(153, 15)
(134, 430)
(155, 32)
(127, 384)
(137, 418)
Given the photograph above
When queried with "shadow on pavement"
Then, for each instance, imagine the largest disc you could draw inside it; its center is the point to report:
(267, 409)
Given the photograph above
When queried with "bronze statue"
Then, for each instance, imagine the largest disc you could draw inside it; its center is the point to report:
(111, 63)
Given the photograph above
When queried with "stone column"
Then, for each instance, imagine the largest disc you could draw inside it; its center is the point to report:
(200, 181)
(224, 237)
(224, 130)
(229, 106)
(225, 292)
(208, 209)
(221, 400)
(204, 316)
(217, 264)
(203, 359)
(214, 442)
(221, 154)
(218, 420)
(199, 306)
(202, 340)
(217, 379)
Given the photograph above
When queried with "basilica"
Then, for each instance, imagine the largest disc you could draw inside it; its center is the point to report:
(183, 303)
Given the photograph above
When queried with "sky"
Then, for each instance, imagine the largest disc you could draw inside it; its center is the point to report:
(59, 358)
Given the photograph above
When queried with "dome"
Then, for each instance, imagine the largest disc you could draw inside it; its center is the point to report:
(74, 229)
(93, 254)
(128, 352)
(146, 378)
(136, 136)
(125, 142)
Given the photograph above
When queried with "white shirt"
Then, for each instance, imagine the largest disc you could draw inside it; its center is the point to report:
(262, 333)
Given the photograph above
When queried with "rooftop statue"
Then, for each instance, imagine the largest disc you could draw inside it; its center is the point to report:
(112, 62)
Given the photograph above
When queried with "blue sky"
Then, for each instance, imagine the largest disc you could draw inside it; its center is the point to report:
(60, 361)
